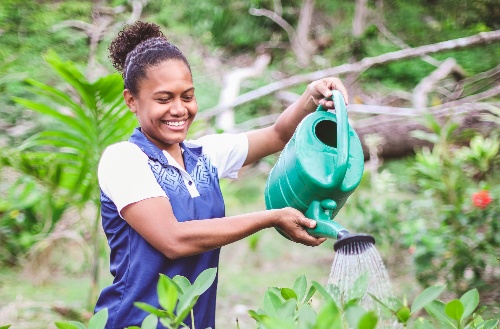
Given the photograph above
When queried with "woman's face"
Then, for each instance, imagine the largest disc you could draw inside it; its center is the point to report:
(165, 104)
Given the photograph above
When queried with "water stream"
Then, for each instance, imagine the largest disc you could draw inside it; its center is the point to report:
(344, 281)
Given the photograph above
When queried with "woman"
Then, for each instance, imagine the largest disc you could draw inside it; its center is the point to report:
(162, 208)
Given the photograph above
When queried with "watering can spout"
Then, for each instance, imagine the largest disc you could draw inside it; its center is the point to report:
(325, 227)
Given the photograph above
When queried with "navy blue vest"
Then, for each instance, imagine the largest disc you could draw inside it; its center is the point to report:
(136, 265)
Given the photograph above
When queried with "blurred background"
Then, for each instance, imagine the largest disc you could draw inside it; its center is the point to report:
(423, 82)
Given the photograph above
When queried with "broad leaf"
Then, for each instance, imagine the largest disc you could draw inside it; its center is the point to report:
(150, 322)
(288, 293)
(300, 286)
(470, 300)
(425, 297)
(403, 314)
(150, 309)
(422, 323)
(272, 303)
(322, 291)
(436, 310)
(329, 316)
(306, 317)
(287, 309)
(99, 320)
(205, 280)
(368, 320)
(167, 293)
(182, 283)
(64, 325)
(454, 309)
(79, 325)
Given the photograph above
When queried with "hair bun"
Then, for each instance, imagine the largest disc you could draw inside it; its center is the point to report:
(129, 38)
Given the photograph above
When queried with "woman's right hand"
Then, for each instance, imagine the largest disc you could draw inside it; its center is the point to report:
(293, 224)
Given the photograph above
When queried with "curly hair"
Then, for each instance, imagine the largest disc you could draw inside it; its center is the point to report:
(139, 46)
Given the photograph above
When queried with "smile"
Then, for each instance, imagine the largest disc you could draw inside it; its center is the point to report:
(174, 123)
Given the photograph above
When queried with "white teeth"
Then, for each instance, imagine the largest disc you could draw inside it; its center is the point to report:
(175, 123)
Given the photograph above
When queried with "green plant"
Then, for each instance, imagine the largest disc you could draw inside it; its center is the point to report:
(291, 308)
(177, 297)
(86, 118)
(7, 326)
(462, 239)
(97, 321)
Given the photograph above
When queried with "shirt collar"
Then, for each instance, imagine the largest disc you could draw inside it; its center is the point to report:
(190, 154)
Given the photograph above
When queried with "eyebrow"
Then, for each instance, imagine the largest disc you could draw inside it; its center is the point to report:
(169, 92)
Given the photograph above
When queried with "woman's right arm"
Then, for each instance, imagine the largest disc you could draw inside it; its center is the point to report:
(154, 220)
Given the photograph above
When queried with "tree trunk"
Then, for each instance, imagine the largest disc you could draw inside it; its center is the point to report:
(396, 136)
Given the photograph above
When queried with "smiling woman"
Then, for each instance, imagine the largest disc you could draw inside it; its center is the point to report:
(161, 203)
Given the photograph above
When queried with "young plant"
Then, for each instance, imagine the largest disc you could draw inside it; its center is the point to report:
(97, 321)
(286, 308)
(177, 297)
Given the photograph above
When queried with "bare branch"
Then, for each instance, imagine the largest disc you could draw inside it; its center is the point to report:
(426, 85)
(272, 15)
(478, 39)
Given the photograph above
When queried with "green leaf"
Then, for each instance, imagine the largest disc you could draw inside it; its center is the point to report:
(403, 314)
(7, 326)
(79, 325)
(186, 302)
(167, 293)
(272, 303)
(470, 300)
(306, 317)
(205, 280)
(182, 283)
(422, 323)
(64, 325)
(310, 293)
(322, 291)
(150, 322)
(150, 309)
(287, 309)
(425, 297)
(454, 309)
(288, 293)
(329, 316)
(98, 320)
(490, 324)
(436, 310)
(368, 320)
(300, 286)
(353, 314)
(133, 327)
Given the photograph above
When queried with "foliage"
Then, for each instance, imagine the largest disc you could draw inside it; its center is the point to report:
(287, 308)
(440, 175)
(86, 118)
(442, 209)
(176, 295)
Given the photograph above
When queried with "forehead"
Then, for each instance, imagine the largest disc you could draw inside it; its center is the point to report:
(171, 73)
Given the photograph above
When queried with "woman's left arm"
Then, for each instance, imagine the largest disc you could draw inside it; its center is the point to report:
(269, 140)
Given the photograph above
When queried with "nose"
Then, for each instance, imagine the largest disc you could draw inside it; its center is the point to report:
(177, 109)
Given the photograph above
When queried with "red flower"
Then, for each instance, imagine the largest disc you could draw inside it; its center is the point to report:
(481, 199)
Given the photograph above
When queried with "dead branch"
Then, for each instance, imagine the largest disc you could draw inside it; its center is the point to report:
(299, 39)
(231, 88)
(426, 85)
(478, 39)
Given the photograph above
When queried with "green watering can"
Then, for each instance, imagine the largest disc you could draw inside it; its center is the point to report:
(318, 169)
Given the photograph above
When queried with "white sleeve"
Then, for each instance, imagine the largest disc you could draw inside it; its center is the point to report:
(125, 176)
(227, 152)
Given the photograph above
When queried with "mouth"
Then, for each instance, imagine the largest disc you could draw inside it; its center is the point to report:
(179, 124)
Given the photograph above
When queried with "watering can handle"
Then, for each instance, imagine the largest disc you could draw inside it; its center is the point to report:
(342, 137)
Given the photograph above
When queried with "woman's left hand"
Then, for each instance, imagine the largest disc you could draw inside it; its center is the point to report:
(321, 89)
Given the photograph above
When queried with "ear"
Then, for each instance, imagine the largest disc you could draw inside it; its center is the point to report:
(130, 100)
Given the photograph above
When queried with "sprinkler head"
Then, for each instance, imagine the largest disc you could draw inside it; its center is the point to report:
(353, 243)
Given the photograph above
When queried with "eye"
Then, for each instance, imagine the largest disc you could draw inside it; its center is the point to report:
(187, 98)
(162, 100)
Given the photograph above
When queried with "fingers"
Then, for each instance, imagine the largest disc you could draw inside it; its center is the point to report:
(321, 89)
